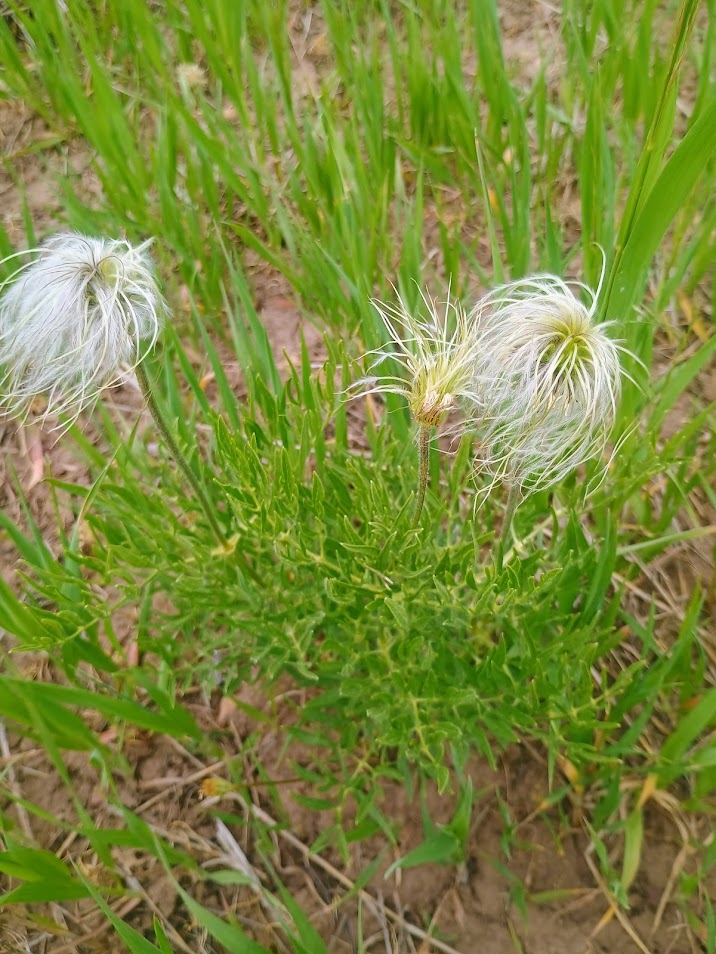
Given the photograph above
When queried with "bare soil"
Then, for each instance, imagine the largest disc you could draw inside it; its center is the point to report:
(472, 907)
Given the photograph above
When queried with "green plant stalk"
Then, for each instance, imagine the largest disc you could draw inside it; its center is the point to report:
(650, 159)
(423, 471)
(513, 500)
(175, 451)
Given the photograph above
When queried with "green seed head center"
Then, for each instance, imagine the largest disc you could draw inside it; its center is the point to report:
(110, 269)
(569, 344)
(430, 398)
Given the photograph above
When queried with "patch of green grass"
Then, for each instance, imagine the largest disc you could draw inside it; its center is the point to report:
(339, 145)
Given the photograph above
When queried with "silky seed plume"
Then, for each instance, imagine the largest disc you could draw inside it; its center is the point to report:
(75, 319)
(436, 351)
(547, 381)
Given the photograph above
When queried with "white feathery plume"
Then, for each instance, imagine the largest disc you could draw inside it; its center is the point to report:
(74, 320)
(438, 356)
(437, 353)
(547, 381)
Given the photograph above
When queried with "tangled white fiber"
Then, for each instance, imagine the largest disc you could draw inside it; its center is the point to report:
(547, 381)
(536, 378)
(74, 320)
(437, 351)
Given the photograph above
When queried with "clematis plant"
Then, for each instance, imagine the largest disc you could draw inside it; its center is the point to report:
(535, 377)
(80, 316)
(438, 353)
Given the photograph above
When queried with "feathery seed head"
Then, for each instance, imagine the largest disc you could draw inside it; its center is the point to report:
(74, 320)
(549, 379)
(436, 353)
(191, 75)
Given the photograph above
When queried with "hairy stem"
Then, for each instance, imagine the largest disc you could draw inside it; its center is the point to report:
(176, 452)
(513, 500)
(423, 471)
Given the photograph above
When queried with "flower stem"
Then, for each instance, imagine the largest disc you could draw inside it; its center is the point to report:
(176, 452)
(513, 499)
(423, 471)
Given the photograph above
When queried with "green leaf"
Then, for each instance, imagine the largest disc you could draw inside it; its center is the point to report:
(666, 198)
(309, 937)
(633, 839)
(161, 936)
(443, 848)
(676, 381)
(230, 935)
(47, 878)
(136, 942)
(175, 722)
(690, 727)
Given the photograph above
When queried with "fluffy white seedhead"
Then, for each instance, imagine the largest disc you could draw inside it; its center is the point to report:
(547, 379)
(75, 320)
(437, 352)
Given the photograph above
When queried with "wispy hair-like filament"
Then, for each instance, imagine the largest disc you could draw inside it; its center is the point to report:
(436, 352)
(75, 319)
(547, 380)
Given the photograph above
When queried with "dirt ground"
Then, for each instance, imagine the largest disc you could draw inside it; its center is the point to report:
(473, 908)
(470, 908)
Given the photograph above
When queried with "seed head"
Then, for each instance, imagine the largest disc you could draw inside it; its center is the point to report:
(437, 353)
(548, 380)
(191, 75)
(74, 320)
